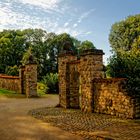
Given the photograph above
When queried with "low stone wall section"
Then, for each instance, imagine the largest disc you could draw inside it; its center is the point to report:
(25, 83)
(10, 83)
(82, 85)
(110, 97)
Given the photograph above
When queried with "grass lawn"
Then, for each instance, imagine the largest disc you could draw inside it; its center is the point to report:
(13, 94)
(10, 94)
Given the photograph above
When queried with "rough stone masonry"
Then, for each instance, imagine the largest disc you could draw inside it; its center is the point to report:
(25, 83)
(82, 84)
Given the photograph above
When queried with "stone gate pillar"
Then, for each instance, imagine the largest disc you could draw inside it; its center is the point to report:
(22, 80)
(90, 67)
(64, 78)
(31, 78)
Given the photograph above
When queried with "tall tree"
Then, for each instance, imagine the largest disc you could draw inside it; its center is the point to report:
(85, 45)
(45, 48)
(125, 43)
(125, 34)
(12, 44)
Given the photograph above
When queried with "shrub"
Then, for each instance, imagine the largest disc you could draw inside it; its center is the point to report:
(41, 88)
(14, 71)
(51, 81)
(127, 65)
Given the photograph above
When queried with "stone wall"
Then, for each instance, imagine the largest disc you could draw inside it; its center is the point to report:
(75, 76)
(81, 85)
(110, 97)
(64, 77)
(31, 80)
(10, 83)
(73, 84)
(25, 83)
(22, 76)
(90, 67)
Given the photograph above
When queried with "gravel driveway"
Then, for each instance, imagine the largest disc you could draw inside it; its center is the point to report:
(90, 126)
(16, 124)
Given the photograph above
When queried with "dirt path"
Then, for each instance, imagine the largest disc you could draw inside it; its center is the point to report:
(16, 124)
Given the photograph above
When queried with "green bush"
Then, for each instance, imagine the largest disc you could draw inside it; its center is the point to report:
(127, 65)
(85, 45)
(14, 71)
(41, 88)
(51, 81)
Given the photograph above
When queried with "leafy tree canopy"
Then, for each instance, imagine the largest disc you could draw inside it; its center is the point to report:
(86, 45)
(125, 42)
(125, 35)
(15, 47)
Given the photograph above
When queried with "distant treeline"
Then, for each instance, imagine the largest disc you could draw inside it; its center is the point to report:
(45, 47)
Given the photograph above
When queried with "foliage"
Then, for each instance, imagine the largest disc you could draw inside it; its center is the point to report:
(125, 34)
(85, 45)
(125, 42)
(10, 94)
(51, 81)
(26, 56)
(12, 45)
(127, 65)
(17, 45)
(12, 70)
(41, 88)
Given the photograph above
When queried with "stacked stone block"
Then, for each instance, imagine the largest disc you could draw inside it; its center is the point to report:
(81, 84)
(25, 83)
(74, 82)
(31, 80)
(110, 97)
(22, 80)
(90, 67)
(10, 83)
(75, 73)
(64, 78)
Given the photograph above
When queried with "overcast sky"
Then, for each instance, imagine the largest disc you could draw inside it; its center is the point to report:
(83, 19)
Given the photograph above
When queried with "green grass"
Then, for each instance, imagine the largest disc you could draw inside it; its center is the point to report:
(13, 94)
(10, 94)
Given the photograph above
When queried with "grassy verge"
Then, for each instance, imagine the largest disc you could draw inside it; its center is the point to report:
(13, 94)
(44, 95)
(10, 94)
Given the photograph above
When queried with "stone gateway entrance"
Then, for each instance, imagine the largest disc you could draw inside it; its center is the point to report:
(75, 77)
(82, 85)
